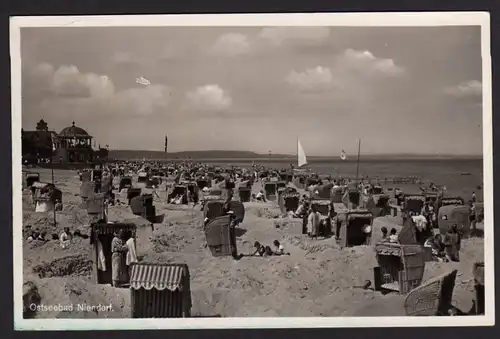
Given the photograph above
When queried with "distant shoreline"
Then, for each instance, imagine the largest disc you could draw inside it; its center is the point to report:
(294, 161)
(246, 156)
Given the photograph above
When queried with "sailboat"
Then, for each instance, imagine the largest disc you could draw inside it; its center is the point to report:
(301, 155)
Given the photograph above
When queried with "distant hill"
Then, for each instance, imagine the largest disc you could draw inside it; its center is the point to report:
(215, 154)
(221, 155)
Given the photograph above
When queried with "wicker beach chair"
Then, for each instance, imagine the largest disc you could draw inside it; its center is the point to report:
(432, 298)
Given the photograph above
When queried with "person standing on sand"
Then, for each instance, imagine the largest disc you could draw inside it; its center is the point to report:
(313, 222)
(118, 250)
(472, 215)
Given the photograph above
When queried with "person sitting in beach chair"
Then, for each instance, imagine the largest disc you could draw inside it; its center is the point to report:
(303, 207)
(437, 247)
(384, 234)
(394, 236)
(260, 196)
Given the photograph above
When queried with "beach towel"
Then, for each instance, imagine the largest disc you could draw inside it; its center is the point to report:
(131, 253)
(101, 262)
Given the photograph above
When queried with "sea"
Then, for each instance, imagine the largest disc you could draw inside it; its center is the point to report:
(461, 177)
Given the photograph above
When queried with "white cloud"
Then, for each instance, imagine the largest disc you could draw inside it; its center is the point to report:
(231, 44)
(278, 36)
(366, 61)
(471, 88)
(311, 79)
(86, 92)
(69, 81)
(209, 97)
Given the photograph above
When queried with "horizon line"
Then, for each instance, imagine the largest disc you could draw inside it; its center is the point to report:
(309, 156)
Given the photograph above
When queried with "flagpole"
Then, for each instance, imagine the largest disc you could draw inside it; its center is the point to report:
(357, 165)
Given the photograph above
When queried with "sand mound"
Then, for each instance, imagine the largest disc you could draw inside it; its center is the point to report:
(77, 264)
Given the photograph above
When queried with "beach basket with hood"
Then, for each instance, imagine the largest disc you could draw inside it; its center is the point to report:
(30, 178)
(280, 184)
(354, 228)
(221, 237)
(413, 203)
(324, 191)
(289, 201)
(454, 214)
(45, 196)
(125, 182)
(213, 209)
(400, 267)
(160, 290)
(245, 194)
(87, 189)
(337, 194)
(142, 177)
(202, 183)
(270, 190)
(95, 174)
(96, 206)
(352, 197)
(238, 210)
(102, 233)
(431, 197)
(433, 297)
(142, 205)
(446, 201)
(179, 189)
(322, 206)
(133, 192)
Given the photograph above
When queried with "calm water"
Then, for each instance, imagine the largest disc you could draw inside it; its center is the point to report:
(440, 172)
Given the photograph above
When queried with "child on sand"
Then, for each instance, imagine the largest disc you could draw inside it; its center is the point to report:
(259, 249)
(64, 238)
(393, 237)
(280, 249)
(384, 234)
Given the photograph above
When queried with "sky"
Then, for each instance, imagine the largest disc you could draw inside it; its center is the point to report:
(411, 90)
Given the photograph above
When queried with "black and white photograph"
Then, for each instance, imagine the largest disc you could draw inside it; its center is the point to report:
(232, 171)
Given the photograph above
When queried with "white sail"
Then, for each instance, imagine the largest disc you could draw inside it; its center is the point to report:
(301, 155)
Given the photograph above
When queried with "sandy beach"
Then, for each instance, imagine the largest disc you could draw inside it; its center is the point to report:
(316, 279)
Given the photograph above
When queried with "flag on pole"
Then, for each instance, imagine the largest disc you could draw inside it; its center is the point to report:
(142, 81)
(343, 156)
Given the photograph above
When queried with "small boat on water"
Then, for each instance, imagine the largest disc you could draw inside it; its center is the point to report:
(465, 173)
